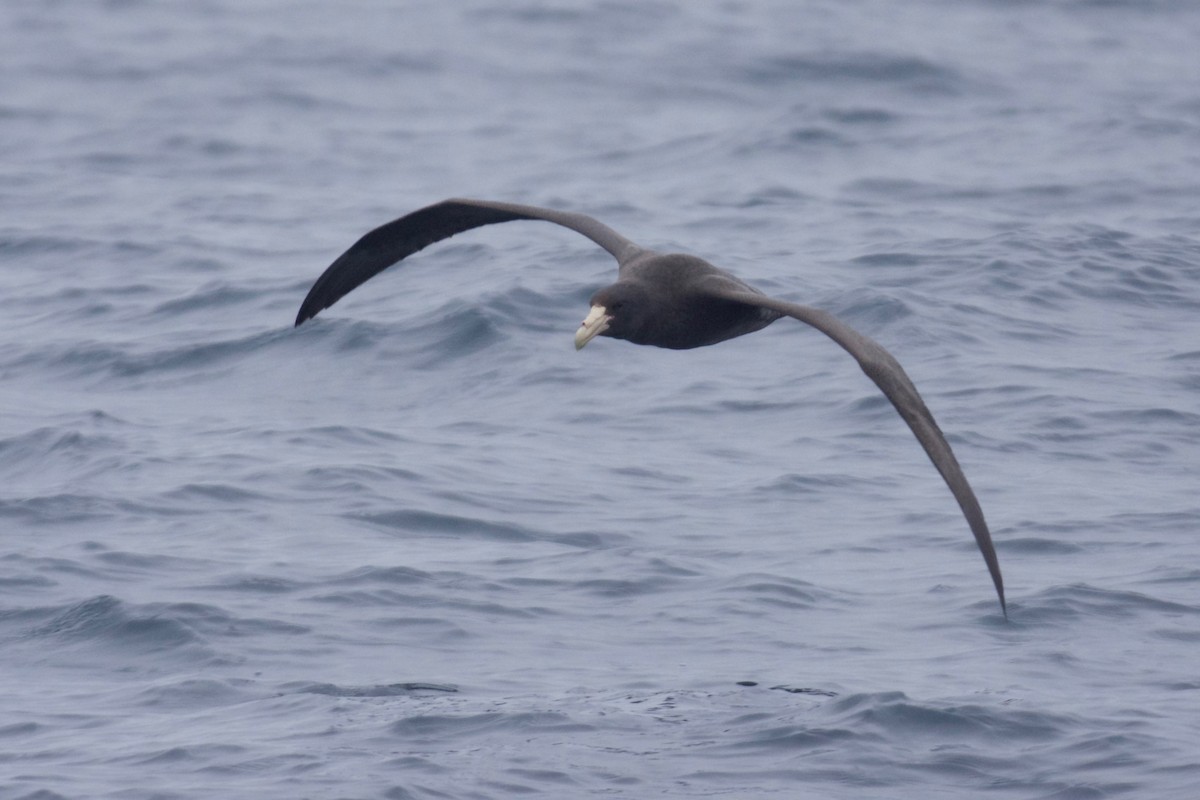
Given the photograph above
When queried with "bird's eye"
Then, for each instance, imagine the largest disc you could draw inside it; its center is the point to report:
(616, 306)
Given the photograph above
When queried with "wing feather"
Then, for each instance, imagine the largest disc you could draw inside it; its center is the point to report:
(400, 238)
(882, 368)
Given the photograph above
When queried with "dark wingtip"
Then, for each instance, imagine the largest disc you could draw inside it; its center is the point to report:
(993, 565)
(309, 308)
(999, 584)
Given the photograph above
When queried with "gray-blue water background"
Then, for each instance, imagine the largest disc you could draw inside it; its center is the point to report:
(420, 548)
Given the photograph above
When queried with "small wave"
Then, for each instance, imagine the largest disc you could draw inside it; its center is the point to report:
(117, 627)
(197, 693)
(440, 727)
(432, 522)
(327, 435)
(60, 508)
(796, 483)
(224, 493)
(896, 716)
(20, 729)
(122, 361)
(62, 444)
(461, 331)
(21, 246)
(790, 140)
(914, 73)
(762, 591)
(256, 585)
(386, 576)
(208, 298)
(25, 583)
(797, 690)
(106, 618)
(1068, 603)
(1035, 545)
(619, 588)
(380, 690)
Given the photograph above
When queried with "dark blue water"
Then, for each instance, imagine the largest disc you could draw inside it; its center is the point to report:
(420, 548)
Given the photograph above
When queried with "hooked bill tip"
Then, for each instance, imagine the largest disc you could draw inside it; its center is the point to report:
(594, 324)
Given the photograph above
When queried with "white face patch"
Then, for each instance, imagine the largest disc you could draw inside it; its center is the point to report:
(594, 324)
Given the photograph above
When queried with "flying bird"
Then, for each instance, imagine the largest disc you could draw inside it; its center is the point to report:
(667, 300)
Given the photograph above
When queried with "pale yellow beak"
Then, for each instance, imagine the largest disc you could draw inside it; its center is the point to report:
(593, 325)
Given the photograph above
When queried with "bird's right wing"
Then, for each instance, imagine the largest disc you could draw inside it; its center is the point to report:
(394, 241)
(882, 367)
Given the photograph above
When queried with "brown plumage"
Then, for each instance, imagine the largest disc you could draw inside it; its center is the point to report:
(662, 299)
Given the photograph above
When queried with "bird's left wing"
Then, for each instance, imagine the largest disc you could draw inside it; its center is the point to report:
(881, 367)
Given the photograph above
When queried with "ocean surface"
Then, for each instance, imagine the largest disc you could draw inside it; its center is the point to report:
(421, 549)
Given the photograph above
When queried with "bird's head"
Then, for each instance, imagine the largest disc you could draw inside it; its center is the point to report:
(620, 311)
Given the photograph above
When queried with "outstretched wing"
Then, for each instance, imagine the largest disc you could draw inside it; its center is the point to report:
(890, 377)
(387, 244)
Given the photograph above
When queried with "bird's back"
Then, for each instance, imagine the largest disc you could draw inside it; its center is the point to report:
(689, 314)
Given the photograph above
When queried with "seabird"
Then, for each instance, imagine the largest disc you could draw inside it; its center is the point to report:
(663, 299)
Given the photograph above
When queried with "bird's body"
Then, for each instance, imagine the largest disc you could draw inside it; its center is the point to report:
(683, 312)
(669, 300)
